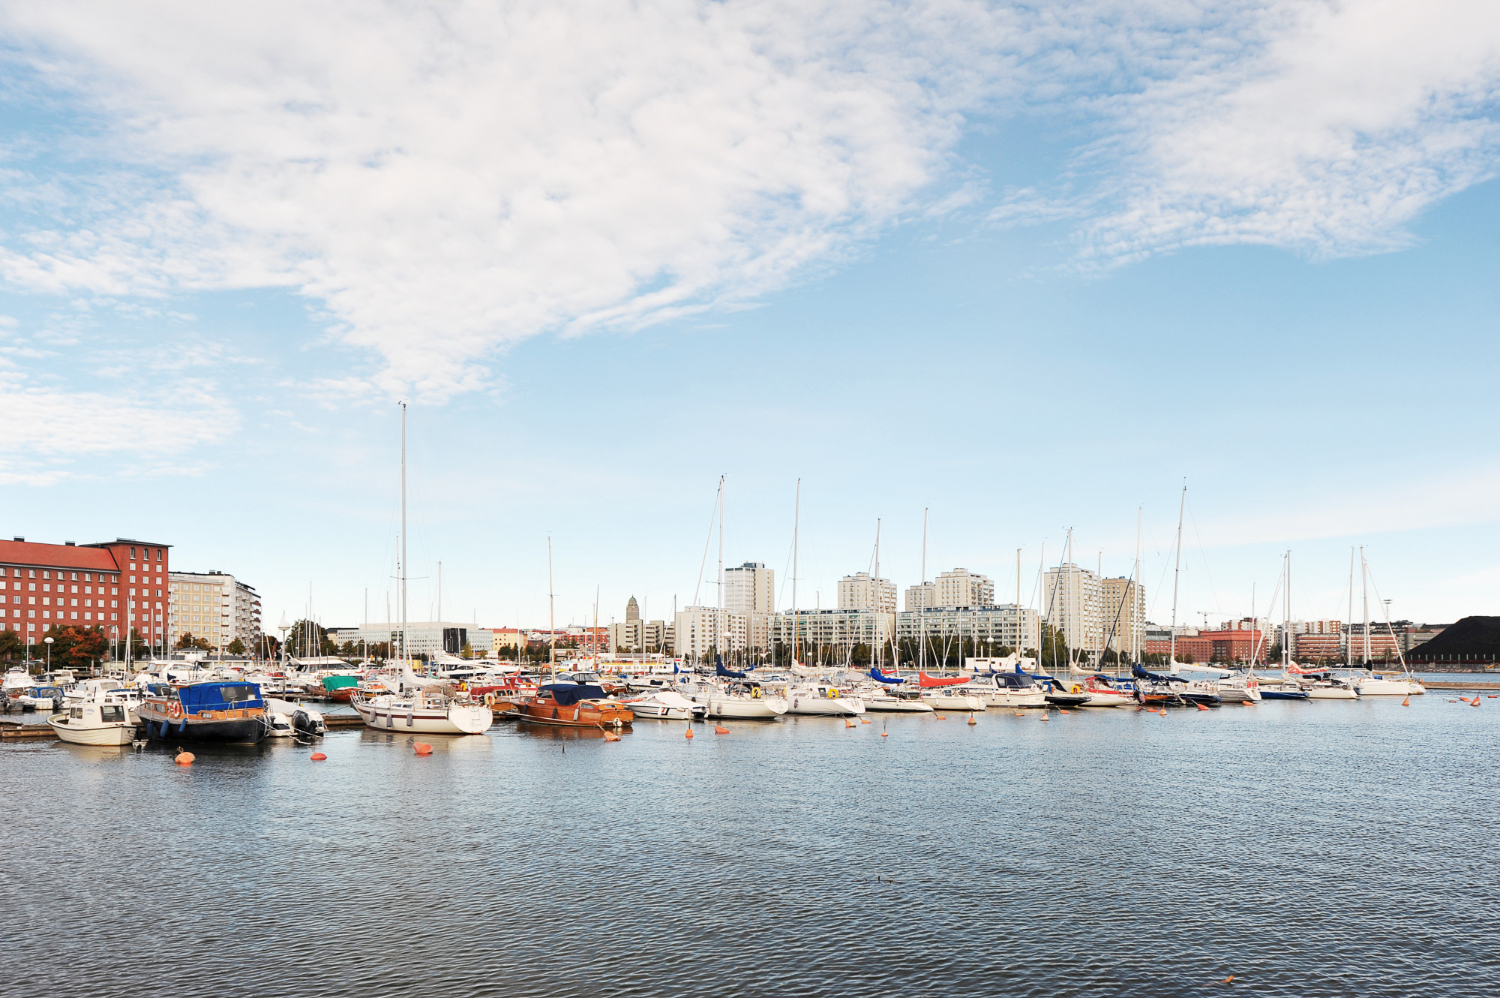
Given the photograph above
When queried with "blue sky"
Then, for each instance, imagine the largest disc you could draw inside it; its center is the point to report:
(1031, 269)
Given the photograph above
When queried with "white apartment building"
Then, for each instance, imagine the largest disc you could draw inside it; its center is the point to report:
(861, 591)
(962, 587)
(1074, 602)
(698, 629)
(834, 632)
(422, 637)
(1015, 627)
(921, 597)
(1124, 613)
(214, 606)
(638, 635)
(750, 588)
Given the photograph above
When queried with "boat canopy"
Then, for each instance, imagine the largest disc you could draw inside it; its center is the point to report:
(881, 677)
(724, 673)
(928, 681)
(219, 696)
(567, 694)
(1140, 673)
(331, 683)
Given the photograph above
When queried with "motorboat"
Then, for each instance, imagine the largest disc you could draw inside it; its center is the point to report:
(294, 720)
(1007, 689)
(43, 699)
(429, 711)
(744, 701)
(576, 705)
(1287, 689)
(106, 719)
(207, 712)
(822, 698)
(667, 705)
(1103, 692)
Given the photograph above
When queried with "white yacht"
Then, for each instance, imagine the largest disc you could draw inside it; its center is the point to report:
(739, 702)
(887, 701)
(949, 698)
(106, 719)
(822, 698)
(667, 705)
(1006, 689)
(1376, 685)
(294, 720)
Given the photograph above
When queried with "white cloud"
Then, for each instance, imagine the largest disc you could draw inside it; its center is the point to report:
(1320, 127)
(446, 179)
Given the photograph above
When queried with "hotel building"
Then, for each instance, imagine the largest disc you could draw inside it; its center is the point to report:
(213, 606)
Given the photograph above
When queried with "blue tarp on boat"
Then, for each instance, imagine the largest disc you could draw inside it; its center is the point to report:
(724, 673)
(567, 694)
(881, 677)
(220, 696)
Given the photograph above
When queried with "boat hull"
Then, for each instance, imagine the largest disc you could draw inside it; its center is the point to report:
(824, 706)
(746, 708)
(1331, 693)
(105, 734)
(896, 705)
(953, 701)
(458, 719)
(230, 731)
(1389, 688)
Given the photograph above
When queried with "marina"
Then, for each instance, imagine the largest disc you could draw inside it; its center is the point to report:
(805, 835)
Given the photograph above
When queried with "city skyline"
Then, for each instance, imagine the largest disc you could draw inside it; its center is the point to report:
(1031, 275)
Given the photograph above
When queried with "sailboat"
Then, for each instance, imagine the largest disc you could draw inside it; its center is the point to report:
(418, 706)
(1374, 684)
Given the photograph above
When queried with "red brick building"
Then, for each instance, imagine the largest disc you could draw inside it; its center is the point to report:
(112, 585)
(1223, 645)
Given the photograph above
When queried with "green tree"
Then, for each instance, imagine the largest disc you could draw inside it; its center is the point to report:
(186, 641)
(307, 638)
(11, 646)
(77, 648)
(236, 647)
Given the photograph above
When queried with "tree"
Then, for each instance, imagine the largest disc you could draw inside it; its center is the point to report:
(77, 647)
(236, 647)
(308, 638)
(11, 646)
(187, 642)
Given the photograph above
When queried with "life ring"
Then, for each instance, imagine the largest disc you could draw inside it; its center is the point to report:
(755, 693)
(174, 709)
(1075, 688)
(833, 694)
(489, 699)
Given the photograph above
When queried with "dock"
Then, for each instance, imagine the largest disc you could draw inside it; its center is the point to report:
(1445, 685)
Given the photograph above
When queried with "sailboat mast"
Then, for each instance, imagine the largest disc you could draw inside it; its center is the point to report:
(1176, 574)
(403, 532)
(796, 524)
(877, 638)
(922, 607)
(719, 617)
(1349, 620)
(551, 616)
(1364, 585)
(1286, 618)
(1137, 626)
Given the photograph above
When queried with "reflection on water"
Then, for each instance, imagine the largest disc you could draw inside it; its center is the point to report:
(1321, 848)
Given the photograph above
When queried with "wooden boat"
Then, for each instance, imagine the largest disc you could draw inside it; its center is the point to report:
(207, 712)
(578, 705)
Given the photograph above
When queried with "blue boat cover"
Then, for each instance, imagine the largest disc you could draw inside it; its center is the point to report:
(1140, 673)
(219, 696)
(881, 677)
(567, 694)
(724, 673)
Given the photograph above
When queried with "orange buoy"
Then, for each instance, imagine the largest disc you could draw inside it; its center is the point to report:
(971, 719)
(720, 730)
(1406, 702)
(1474, 702)
(1020, 713)
(1061, 711)
(864, 720)
(422, 748)
(1227, 979)
(885, 734)
(1045, 717)
(184, 758)
(610, 736)
(941, 717)
(848, 724)
(689, 733)
(1200, 706)
(318, 757)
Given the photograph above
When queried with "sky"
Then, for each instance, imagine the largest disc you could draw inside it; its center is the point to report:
(1025, 270)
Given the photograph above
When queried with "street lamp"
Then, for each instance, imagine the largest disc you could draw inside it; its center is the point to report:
(48, 643)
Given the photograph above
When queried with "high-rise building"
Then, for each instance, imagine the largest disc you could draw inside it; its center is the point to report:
(632, 610)
(993, 627)
(750, 588)
(216, 607)
(117, 586)
(920, 597)
(698, 630)
(830, 636)
(962, 587)
(1123, 615)
(861, 591)
(1073, 598)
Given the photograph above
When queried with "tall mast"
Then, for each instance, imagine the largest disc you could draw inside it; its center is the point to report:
(877, 639)
(922, 606)
(1286, 618)
(551, 617)
(403, 532)
(719, 616)
(1137, 626)
(1349, 620)
(1364, 585)
(1176, 573)
(796, 524)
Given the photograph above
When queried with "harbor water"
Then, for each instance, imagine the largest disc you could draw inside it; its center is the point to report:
(1317, 848)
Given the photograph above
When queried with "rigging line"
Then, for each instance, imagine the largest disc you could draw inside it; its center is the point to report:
(1389, 629)
(1202, 553)
(712, 516)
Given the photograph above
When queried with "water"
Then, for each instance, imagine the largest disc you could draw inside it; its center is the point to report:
(1322, 848)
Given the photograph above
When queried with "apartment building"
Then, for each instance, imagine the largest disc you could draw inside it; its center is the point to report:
(962, 587)
(1074, 602)
(861, 591)
(118, 586)
(835, 632)
(214, 606)
(1007, 626)
(1122, 615)
(698, 630)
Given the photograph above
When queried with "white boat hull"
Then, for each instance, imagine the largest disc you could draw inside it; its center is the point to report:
(897, 705)
(1097, 698)
(746, 708)
(953, 701)
(458, 719)
(662, 712)
(1389, 688)
(1331, 693)
(101, 734)
(823, 706)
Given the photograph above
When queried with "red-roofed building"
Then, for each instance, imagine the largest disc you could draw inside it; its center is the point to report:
(113, 585)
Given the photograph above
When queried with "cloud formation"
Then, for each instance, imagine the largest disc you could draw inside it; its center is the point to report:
(446, 179)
